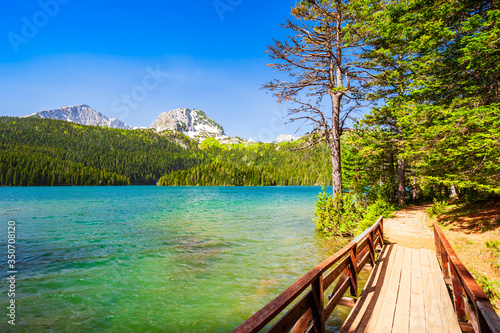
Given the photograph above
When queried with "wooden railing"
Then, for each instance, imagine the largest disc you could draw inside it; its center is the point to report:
(310, 312)
(469, 299)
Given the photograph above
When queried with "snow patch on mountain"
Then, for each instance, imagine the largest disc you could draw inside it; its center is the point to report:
(286, 138)
(81, 114)
(193, 123)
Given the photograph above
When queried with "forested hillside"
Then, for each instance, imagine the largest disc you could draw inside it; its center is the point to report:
(44, 152)
(52, 152)
(264, 164)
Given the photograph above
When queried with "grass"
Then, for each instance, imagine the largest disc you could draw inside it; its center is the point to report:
(490, 287)
(494, 246)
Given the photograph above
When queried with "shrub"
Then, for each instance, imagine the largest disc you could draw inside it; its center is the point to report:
(494, 247)
(493, 244)
(337, 216)
(437, 209)
(379, 208)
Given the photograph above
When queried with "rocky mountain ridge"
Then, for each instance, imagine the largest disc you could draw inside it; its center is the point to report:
(81, 114)
(193, 123)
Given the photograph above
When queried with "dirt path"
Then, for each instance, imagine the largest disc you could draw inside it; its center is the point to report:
(409, 228)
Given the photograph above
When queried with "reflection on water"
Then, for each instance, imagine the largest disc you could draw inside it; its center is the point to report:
(135, 259)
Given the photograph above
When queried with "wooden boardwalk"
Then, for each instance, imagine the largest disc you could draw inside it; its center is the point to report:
(405, 293)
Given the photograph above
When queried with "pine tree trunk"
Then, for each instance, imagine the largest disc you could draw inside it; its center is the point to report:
(401, 182)
(416, 189)
(336, 172)
(456, 191)
(392, 176)
(335, 146)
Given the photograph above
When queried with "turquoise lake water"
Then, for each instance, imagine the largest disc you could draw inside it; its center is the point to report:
(155, 259)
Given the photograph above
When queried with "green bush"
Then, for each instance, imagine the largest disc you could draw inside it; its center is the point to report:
(494, 247)
(345, 216)
(493, 244)
(338, 216)
(437, 209)
(379, 208)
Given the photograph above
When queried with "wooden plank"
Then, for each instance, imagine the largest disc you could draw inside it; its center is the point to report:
(417, 305)
(377, 241)
(332, 303)
(445, 308)
(386, 315)
(433, 321)
(369, 323)
(362, 262)
(472, 316)
(340, 282)
(326, 264)
(353, 274)
(318, 310)
(362, 246)
(466, 327)
(303, 323)
(285, 323)
(311, 329)
(402, 313)
(262, 317)
(471, 287)
(366, 302)
(334, 274)
(487, 319)
(371, 246)
(457, 299)
(314, 278)
(361, 254)
(376, 225)
(347, 301)
(411, 296)
(332, 260)
(489, 316)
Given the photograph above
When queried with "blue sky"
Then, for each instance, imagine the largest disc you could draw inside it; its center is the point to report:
(134, 60)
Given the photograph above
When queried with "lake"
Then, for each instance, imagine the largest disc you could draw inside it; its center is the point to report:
(155, 259)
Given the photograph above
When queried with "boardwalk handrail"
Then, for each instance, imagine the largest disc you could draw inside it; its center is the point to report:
(310, 311)
(469, 299)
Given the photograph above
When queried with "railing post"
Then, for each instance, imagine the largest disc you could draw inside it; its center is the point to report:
(371, 248)
(381, 225)
(437, 242)
(353, 271)
(457, 295)
(380, 230)
(318, 310)
(446, 266)
(484, 306)
(443, 255)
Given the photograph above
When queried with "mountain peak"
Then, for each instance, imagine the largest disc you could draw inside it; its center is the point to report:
(193, 123)
(81, 114)
(286, 138)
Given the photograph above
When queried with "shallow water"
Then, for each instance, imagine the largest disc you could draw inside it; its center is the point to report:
(155, 259)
